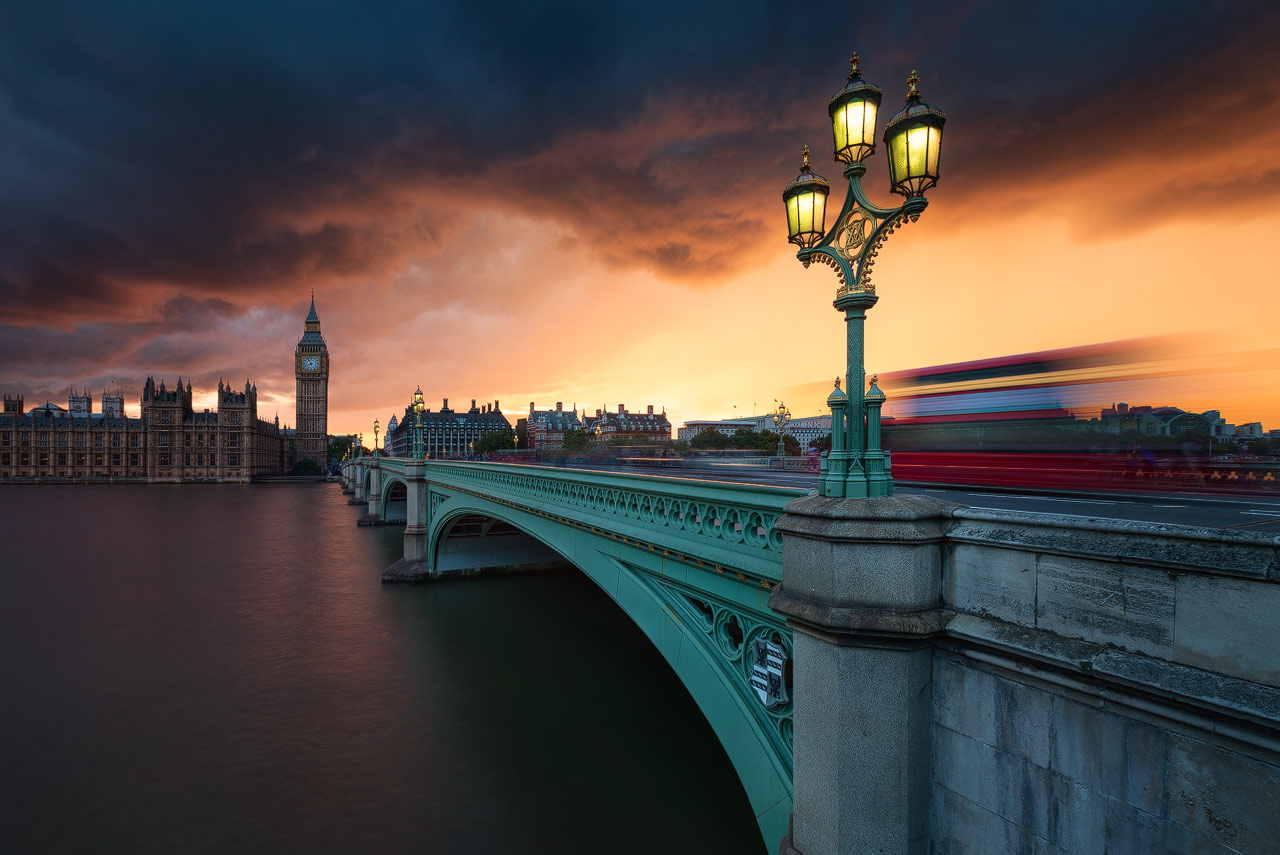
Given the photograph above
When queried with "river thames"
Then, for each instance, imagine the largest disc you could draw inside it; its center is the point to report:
(219, 669)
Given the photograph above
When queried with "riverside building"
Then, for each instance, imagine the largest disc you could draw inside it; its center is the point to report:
(446, 432)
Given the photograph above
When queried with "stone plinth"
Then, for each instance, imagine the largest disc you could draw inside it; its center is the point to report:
(862, 589)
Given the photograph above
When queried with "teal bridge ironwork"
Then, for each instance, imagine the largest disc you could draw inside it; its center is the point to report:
(692, 563)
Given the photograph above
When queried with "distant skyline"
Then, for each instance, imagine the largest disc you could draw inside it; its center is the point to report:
(582, 202)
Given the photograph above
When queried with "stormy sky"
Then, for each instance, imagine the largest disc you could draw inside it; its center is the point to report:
(581, 201)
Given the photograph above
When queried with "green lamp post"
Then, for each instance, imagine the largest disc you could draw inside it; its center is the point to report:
(856, 466)
(419, 447)
(375, 438)
(781, 418)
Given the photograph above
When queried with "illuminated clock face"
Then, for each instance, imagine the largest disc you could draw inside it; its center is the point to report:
(311, 363)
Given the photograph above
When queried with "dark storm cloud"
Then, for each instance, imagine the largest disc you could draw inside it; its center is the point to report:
(245, 152)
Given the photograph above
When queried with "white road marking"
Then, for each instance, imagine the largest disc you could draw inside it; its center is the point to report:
(1076, 501)
(1041, 513)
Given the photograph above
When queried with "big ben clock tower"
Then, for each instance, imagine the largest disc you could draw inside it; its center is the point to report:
(311, 367)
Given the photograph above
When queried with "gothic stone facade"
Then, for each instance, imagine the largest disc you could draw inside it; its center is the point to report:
(169, 443)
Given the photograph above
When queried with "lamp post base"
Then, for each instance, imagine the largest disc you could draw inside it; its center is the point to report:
(861, 476)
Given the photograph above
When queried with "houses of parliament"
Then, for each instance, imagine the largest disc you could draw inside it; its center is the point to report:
(170, 441)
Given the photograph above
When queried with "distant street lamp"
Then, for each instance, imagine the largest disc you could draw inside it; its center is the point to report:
(781, 417)
(856, 465)
(375, 437)
(359, 445)
(419, 447)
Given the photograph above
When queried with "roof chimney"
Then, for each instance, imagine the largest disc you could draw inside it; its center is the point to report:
(651, 409)
(559, 406)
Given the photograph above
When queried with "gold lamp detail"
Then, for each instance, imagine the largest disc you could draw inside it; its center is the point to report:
(914, 140)
(806, 201)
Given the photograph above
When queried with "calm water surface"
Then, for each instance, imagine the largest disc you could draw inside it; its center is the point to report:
(219, 669)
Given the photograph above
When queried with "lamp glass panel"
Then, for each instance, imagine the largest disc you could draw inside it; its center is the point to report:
(935, 146)
(840, 124)
(810, 206)
(869, 122)
(898, 158)
(793, 216)
(917, 151)
(819, 218)
(854, 123)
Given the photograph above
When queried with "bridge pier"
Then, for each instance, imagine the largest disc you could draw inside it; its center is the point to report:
(374, 499)
(415, 565)
(862, 590)
(359, 497)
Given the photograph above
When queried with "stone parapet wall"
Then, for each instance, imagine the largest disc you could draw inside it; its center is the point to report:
(1105, 687)
(996, 682)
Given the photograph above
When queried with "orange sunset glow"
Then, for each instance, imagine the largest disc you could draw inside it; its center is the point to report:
(620, 238)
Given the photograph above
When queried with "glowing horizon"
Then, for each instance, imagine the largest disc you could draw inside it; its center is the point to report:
(619, 236)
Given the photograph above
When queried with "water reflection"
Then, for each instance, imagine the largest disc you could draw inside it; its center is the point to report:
(213, 669)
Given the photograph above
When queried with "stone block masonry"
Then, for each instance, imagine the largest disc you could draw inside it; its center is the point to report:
(1089, 686)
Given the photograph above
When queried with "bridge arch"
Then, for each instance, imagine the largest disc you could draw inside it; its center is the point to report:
(703, 639)
(395, 496)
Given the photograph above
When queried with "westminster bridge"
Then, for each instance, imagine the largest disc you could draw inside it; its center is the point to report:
(905, 675)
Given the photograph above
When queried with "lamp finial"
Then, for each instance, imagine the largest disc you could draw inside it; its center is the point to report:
(853, 65)
(913, 81)
(805, 153)
(837, 382)
(875, 378)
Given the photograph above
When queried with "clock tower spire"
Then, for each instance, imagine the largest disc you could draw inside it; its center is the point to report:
(311, 369)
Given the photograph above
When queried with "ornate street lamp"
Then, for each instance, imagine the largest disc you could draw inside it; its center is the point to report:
(856, 466)
(360, 445)
(853, 116)
(419, 449)
(781, 417)
(375, 437)
(806, 201)
(914, 140)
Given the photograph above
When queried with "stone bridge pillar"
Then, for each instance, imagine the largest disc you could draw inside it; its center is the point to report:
(359, 497)
(415, 564)
(375, 486)
(415, 521)
(861, 588)
(346, 478)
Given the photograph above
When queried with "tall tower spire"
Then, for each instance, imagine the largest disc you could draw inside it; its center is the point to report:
(311, 372)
